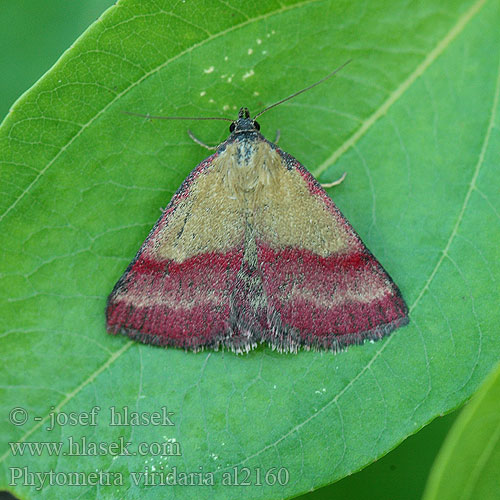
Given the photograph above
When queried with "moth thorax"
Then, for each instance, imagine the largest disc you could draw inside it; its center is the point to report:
(249, 171)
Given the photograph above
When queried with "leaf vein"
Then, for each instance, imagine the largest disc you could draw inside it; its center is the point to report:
(399, 91)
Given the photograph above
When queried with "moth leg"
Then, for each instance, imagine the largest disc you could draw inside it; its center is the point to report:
(334, 183)
(278, 134)
(195, 139)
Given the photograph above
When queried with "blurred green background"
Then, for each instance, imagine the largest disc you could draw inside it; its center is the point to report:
(33, 35)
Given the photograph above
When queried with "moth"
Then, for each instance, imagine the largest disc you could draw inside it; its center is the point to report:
(251, 249)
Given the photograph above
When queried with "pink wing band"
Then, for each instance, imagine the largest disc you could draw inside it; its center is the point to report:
(185, 304)
(320, 296)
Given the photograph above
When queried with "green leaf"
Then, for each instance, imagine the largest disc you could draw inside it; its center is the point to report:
(467, 465)
(413, 120)
(397, 474)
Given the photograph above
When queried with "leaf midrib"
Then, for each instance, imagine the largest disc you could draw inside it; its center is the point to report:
(401, 89)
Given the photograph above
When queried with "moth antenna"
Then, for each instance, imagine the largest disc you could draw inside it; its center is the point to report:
(303, 90)
(178, 117)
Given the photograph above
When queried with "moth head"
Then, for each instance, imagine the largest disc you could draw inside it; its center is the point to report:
(244, 123)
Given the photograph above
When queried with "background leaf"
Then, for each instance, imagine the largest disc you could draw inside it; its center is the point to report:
(468, 463)
(33, 35)
(413, 122)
